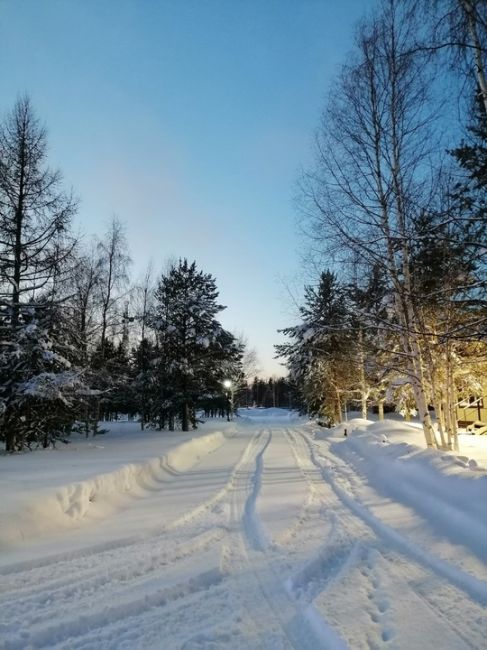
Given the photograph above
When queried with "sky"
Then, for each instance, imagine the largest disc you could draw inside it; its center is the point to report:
(190, 120)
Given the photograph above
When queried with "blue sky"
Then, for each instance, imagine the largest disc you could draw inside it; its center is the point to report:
(190, 120)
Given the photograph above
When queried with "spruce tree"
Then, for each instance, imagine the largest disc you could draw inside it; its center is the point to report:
(193, 348)
(321, 348)
(40, 383)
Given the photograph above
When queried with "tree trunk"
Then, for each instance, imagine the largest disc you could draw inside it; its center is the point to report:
(19, 217)
(185, 417)
(10, 438)
(451, 410)
(364, 391)
(338, 407)
(363, 402)
(479, 64)
(438, 395)
(96, 417)
(381, 409)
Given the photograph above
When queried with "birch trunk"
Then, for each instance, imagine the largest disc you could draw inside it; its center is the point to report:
(437, 390)
(339, 407)
(364, 390)
(416, 370)
(451, 414)
(381, 409)
(479, 64)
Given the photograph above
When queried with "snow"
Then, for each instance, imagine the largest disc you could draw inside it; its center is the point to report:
(264, 532)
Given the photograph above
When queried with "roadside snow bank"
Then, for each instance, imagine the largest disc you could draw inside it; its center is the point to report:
(98, 496)
(448, 490)
(473, 449)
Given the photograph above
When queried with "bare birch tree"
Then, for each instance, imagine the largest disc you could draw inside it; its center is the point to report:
(373, 177)
(459, 29)
(113, 265)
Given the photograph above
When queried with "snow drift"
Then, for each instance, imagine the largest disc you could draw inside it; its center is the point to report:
(96, 497)
(447, 489)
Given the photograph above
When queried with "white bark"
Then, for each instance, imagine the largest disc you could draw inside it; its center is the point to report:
(479, 64)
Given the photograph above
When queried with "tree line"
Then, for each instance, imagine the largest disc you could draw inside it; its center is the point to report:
(274, 392)
(395, 210)
(71, 350)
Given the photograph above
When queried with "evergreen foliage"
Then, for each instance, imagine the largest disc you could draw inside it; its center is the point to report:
(195, 354)
(66, 356)
(39, 383)
(319, 355)
(275, 392)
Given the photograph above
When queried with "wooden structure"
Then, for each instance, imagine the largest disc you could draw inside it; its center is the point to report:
(472, 409)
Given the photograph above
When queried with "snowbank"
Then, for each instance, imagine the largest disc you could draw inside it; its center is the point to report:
(95, 497)
(473, 449)
(448, 490)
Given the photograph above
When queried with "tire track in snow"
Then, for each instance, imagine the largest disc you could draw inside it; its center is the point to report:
(115, 573)
(387, 612)
(283, 622)
(74, 594)
(285, 501)
(193, 608)
(198, 620)
(96, 561)
(55, 570)
(60, 509)
(251, 524)
(45, 636)
(329, 564)
(472, 586)
(341, 551)
(424, 494)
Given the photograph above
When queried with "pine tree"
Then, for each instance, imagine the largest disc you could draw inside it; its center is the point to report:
(373, 345)
(470, 193)
(40, 385)
(320, 353)
(193, 348)
(144, 381)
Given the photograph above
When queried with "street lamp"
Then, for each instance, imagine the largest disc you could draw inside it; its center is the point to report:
(228, 384)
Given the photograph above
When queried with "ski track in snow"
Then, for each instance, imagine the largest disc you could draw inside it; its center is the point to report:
(380, 545)
(280, 544)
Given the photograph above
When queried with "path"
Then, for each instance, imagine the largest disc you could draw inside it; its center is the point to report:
(270, 541)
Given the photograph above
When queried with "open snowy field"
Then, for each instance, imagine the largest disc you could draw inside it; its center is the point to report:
(268, 532)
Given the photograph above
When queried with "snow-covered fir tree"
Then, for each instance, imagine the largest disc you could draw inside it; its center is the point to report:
(40, 384)
(319, 356)
(194, 352)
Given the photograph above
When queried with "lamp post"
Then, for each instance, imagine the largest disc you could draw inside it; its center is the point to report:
(228, 384)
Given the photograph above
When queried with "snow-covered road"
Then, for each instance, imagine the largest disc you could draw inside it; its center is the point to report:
(259, 537)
